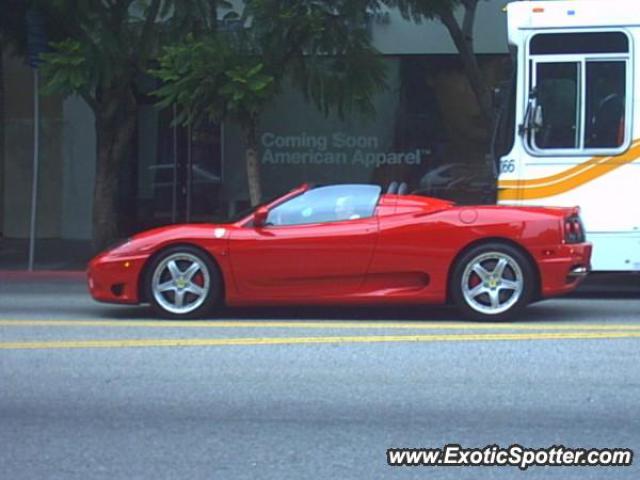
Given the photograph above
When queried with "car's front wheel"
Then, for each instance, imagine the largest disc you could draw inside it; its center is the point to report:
(492, 282)
(182, 282)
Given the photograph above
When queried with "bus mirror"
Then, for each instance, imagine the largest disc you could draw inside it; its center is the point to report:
(497, 98)
(538, 118)
(500, 95)
(532, 114)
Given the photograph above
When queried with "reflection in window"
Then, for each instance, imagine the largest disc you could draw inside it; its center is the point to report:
(557, 85)
(606, 89)
(327, 204)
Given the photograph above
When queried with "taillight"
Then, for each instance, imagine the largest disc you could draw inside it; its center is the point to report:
(574, 230)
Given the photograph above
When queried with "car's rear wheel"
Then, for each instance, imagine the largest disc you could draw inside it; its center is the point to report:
(182, 282)
(492, 282)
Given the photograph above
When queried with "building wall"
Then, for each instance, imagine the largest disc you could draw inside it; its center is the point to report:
(78, 168)
(67, 161)
(18, 158)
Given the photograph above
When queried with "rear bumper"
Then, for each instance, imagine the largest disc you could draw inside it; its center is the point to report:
(563, 268)
(578, 272)
(114, 279)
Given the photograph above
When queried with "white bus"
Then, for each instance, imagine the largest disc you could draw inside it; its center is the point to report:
(572, 134)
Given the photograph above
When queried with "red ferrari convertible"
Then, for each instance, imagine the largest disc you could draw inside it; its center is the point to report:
(350, 244)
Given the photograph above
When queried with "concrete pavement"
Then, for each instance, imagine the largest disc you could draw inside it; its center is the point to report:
(241, 396)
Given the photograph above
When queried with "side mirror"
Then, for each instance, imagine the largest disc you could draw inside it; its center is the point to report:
(530, 114)
(260, 217)
(499, 95)
(538, 117)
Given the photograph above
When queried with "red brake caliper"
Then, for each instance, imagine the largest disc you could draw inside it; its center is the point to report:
(474, 281)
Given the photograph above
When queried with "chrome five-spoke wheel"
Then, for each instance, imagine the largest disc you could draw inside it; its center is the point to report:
(492, 281)
(182, 283)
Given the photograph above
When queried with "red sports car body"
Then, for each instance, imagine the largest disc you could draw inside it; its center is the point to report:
(350, 244)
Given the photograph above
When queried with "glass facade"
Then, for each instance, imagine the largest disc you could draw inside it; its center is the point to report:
(178, 172)
(427, 132)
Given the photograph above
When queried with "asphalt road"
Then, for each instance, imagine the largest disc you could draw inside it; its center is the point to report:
(95, 391)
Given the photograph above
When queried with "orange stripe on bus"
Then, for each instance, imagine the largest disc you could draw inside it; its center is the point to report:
(635, 147)
(526, 191)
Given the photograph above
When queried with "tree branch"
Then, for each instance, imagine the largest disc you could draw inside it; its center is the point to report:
(147, 29)
(469, 62)
(470, 8)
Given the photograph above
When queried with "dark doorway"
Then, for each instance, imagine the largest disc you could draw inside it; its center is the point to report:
(179, 170)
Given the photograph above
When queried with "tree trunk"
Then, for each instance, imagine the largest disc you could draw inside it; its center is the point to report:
(463, 40)
(116, 118)
(253, 165)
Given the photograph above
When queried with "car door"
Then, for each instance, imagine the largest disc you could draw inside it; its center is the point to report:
(310, 247)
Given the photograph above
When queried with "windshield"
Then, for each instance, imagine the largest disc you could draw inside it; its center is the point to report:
(317, 204)
(332, 203)
(245, 212)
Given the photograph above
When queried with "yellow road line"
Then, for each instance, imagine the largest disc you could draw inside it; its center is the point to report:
(210, 342)
(348, 325)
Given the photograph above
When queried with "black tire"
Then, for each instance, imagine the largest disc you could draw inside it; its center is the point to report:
(479, 308)
(208, 270)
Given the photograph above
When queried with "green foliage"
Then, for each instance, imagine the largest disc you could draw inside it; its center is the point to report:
(66, 69)
(208, 79)
(247, 88)
(322, 46)
(108, 44)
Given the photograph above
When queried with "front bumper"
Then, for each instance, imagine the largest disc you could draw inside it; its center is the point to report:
(115, 279)
(563, 268)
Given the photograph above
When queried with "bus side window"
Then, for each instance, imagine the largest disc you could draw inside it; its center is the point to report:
(605, 103)
(581, 81)
(558, 96)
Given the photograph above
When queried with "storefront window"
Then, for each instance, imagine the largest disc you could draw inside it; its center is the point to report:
(427, 132)
(177, 171)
